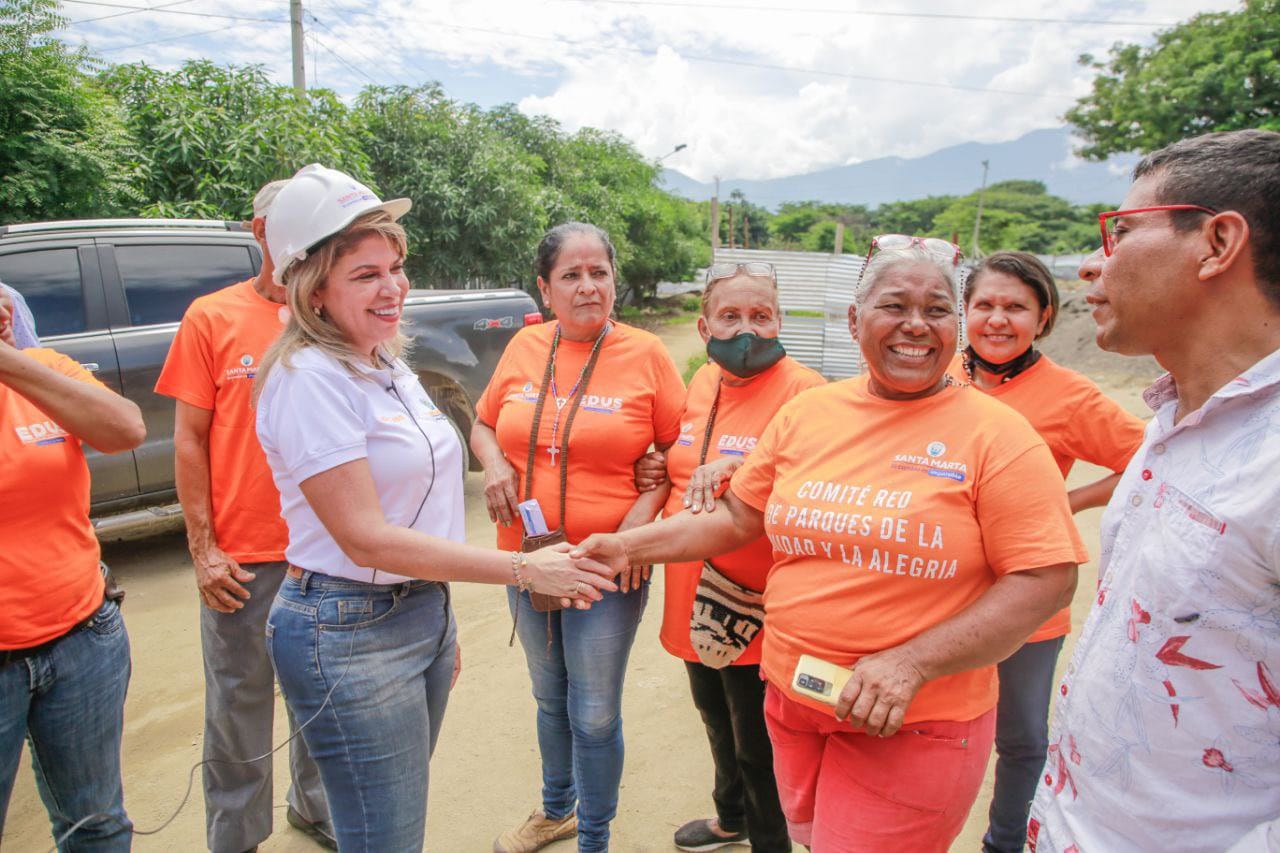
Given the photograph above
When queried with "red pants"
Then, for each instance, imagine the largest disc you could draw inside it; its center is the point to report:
(845, 792)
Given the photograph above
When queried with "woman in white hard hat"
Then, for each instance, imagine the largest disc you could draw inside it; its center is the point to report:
(370, 476)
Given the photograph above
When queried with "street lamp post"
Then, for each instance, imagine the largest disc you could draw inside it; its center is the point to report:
(675, 150)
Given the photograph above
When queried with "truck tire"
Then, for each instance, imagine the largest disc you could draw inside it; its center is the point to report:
(452, 400)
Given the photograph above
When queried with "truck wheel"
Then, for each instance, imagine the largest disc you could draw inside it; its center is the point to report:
(453, 401)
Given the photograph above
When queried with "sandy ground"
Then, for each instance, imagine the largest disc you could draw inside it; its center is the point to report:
(485, 773)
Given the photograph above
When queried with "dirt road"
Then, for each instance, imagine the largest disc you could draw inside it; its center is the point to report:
(485, 774)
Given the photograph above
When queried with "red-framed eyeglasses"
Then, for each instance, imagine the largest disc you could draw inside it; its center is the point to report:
(1105, 220)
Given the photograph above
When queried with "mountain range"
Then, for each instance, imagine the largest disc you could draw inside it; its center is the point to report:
(1041, 155)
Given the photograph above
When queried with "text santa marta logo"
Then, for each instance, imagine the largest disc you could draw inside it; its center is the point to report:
(936, 449)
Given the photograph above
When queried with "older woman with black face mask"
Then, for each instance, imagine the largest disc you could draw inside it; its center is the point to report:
(917, 538)
(712, 614)
(1011, 301)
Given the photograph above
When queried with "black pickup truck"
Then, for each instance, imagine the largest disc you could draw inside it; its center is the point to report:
(110, 294)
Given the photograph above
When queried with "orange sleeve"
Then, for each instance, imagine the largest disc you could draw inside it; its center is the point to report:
(64, 364)
(1024, 516)
(188, 373)
(1103, 433)
(669, 395)
(753, 482)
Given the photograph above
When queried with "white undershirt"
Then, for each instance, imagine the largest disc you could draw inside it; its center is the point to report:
(315, 415)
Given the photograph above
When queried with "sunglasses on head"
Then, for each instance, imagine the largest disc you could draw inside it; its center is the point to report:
(934, 245)
(755, 269)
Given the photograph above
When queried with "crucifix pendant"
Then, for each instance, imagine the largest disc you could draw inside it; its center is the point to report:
(554, 451)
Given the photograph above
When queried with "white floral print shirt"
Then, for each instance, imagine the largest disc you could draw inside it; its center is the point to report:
(1167, 730)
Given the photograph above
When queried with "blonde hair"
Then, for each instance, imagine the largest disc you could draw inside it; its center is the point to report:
(306, 327)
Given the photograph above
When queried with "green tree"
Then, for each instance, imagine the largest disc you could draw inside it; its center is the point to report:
(206, 137)
(793, 221)
(1217, 71)
(1019, 215)
(62, 138)
(598, 177)
(910, 217)
(478, 206)
(751, 222)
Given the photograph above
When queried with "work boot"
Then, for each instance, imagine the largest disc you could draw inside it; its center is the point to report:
(536, 832)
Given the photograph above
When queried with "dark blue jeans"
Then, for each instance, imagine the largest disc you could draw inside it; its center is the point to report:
(68, 702)
(577, 661)
(1022, 739)
(372, 665)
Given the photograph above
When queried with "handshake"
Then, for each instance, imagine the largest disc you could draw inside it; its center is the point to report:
(580, 574)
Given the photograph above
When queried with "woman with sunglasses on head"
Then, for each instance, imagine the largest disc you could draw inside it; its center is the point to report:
(712, 614)
(918, 538)
(570, 408)
(361, 632)
(1011, 301)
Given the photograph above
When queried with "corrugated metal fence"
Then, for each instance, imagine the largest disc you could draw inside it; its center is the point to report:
(815, 289)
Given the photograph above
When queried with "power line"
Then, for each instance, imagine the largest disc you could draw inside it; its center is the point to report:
(338, 57)
(723, 61)
(130, 12)
(641, 51)
(348, 45)
(171, 38)
(165, 11)
(767, 66)
(943, 16)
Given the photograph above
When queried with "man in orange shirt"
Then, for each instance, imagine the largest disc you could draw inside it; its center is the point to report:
(64, 651)
(237, 540)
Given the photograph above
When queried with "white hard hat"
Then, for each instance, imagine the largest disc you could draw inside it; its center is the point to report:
(317, 203)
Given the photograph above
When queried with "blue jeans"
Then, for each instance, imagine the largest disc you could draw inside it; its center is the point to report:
(68, 701)
(371, 663)
(1022, 739)
(577, 661)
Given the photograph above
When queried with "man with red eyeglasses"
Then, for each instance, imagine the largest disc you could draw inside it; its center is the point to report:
(1167, 730)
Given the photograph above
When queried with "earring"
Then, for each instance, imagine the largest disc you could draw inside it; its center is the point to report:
(319, 312)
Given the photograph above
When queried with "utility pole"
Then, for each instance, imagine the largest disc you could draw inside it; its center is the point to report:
(977, 222)
(715, 221)
(299, 57)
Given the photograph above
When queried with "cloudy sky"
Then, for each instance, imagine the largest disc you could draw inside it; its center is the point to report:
(754, 88)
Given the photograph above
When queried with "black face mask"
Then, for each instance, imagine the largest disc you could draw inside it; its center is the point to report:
(745, 355)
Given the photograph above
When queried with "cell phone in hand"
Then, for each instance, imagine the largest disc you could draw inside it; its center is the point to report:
(819, 679)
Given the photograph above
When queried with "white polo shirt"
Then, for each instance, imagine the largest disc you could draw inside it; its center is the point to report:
(315, 415)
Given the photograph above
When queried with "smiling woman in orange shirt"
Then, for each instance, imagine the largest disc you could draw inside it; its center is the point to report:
(1011, 301)
(918, 537)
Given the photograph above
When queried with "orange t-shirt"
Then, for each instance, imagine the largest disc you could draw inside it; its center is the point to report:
(1077, 421)
(49, 562)
(633, 400)
(889, 517)
(211, 365)
(741, 416)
